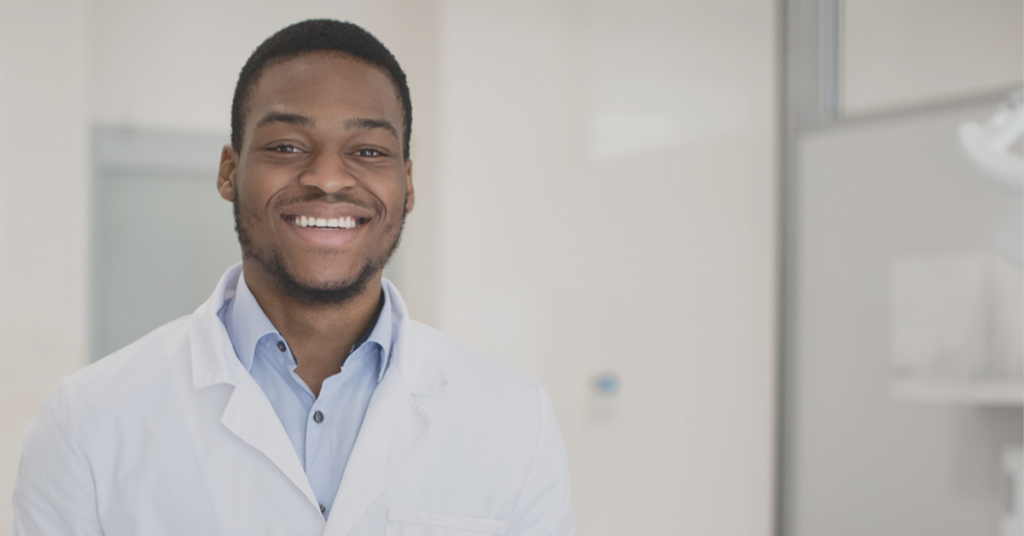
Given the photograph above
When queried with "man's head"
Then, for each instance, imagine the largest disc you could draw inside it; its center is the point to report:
(318, 167)
(318, 35)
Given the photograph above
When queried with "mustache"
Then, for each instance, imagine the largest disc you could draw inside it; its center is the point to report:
(330, 199)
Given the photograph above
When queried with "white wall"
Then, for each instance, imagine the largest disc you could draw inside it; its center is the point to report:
(44, 73)
(607, 202)
(175, 64)
(905, 52)
(596, 191)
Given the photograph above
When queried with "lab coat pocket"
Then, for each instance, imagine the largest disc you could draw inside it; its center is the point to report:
(416, 523)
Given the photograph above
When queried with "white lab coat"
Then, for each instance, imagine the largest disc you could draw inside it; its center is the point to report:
(171, 436)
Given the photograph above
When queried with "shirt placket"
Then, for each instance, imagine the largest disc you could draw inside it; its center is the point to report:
(285, 360)
(317, 425)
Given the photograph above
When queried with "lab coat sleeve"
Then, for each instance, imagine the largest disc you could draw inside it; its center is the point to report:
(544, 507)
(54, 493)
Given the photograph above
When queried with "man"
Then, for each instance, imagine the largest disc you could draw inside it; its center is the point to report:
(300, 398)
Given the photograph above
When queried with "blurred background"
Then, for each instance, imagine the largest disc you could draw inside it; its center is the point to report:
(741, 242)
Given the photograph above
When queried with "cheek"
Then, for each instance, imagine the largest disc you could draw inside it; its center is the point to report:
(254, 190)
(401, 194)
(248, 209)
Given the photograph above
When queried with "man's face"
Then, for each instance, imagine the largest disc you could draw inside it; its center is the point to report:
(321, 187)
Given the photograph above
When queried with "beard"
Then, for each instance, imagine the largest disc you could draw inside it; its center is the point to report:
(330, 293)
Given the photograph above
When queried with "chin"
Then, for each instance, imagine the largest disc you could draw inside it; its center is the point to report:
(327, 287)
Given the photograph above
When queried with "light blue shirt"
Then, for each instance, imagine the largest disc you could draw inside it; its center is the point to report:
(322, 429)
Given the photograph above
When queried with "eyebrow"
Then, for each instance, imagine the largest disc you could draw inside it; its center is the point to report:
(361, 123)
(355, 123)
(281, 117)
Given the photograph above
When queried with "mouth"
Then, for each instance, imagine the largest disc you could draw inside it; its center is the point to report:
(343, 222)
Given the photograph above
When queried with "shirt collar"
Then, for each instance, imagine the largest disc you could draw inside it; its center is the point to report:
(247, 324)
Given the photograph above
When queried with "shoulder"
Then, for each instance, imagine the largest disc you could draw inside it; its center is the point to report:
(481, 393)
(127, 378)
(166, 341)
(466, 369)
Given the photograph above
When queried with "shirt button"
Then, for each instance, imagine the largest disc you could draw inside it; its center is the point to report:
(281, 346)
(323, 509)
(318, 416)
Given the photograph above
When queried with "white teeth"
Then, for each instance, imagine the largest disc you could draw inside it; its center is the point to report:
(346, 222)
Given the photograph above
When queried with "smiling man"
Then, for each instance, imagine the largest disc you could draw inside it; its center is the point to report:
(301, 398)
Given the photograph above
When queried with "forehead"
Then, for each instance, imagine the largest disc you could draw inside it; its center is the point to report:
(321, 83)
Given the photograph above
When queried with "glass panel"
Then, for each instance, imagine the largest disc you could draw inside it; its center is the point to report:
(162, 240)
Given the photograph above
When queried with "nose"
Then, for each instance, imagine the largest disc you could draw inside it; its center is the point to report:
(328, 172)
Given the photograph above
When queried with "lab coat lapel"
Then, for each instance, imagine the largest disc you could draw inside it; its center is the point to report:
(250, 416)
(248, 413)
(392, 428)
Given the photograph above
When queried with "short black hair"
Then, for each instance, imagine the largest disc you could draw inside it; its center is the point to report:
(318, 35)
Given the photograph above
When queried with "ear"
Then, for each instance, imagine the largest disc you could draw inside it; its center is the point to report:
(410, 192)
(226, 174)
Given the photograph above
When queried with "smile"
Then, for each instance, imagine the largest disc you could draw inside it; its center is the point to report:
(344, 222)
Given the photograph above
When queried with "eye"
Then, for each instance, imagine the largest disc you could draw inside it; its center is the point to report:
(369, 152)
(284, 148)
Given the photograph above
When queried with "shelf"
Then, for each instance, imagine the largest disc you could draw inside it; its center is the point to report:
(959, 392)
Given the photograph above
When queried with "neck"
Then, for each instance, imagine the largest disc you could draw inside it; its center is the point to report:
(320, 335)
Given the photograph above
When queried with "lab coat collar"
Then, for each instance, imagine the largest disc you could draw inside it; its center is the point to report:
(419, 371)
(212, 351)
(394, 424)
